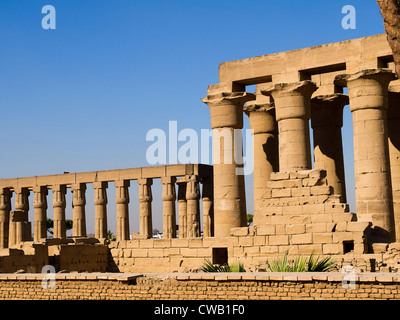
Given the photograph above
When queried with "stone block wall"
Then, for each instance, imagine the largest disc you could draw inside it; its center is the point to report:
(242, 286)
(300, 209)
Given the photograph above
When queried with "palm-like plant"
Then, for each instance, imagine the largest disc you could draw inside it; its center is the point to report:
(209, 267)
(300, 264)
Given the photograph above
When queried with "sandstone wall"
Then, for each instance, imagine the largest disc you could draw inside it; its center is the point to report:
(243, 286)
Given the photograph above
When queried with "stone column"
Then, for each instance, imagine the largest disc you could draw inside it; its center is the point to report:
(21, 199)
(145, 199)
(208, 210)
(78, 213)
(19, 227)
(122, 200)
(226, 111)
(40, 206)
(394, 153)
(5, 208)
(182, 207)
(59, 203)
(100, 209)
(293, 111)
(265, 148)
(168, 198)
(327, 123)
(193, 210)
(368, 92)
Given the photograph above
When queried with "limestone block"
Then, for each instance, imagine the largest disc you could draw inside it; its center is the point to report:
(305, 238)
(275, 176)
(358, 226)
(281, 193)
(321, 190)
(265, 230)
(240, 231)
(332, 248)
(322, 237)
(278, 240)
(295, 228)
(301, 192)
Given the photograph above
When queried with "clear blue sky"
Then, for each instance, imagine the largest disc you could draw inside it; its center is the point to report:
(83, 96)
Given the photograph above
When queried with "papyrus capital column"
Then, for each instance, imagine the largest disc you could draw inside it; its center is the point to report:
(78, 204)
(293, 110)
(59, 203)
(193, 210)
(169, 215)
(100, 209)
(21, 199)
(265, 147)
(368, 92)
(122, 200)
(40, 206)
(145, 212)
(5, 208)
(327, 122)
(226, 111)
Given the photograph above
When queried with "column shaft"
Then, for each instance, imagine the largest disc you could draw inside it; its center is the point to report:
(327, 122)
(193, 209)
(182, 208)
(5, 207)
(208, 210)
(40, 206)
(59, 203)
(169, 215)
(265, 149)
(226, 111)
(145, 211)
(78, 215)
(368, 103)
(122, 200)
(292, 108)
(100, 209)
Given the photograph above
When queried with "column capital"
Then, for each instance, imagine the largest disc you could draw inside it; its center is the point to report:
(100, 185)
(59, 192)
(78, 186)
(368, 89)
(39, 199)
(145, 181)
(327, 110)
(226, 109)
(305, 87)
(238, 98)
(383, 75)
(5, 197)
(122, 183)
(261, 117)
(292, 100)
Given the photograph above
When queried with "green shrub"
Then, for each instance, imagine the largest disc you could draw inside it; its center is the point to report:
(209, 267)
(300, 264)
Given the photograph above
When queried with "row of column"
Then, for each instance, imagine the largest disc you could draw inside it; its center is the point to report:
(376, 151)
(188, 199)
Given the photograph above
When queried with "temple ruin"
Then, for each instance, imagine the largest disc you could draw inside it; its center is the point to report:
(300, 200)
